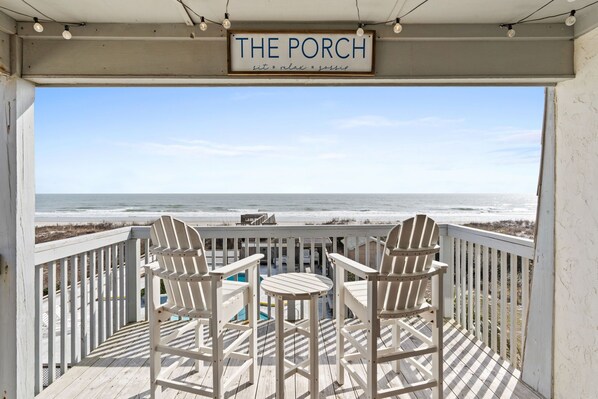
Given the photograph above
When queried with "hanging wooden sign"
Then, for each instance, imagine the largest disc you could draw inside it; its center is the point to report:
(301, 53)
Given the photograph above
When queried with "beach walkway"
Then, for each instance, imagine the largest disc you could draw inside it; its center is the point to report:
(119, 368)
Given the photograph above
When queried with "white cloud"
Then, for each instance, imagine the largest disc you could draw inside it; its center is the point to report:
(318, 139)
(382, 121)
(331, 155)
(203, 147)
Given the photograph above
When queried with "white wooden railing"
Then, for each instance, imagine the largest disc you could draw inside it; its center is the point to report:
(73, 319)
(86, 289)
(487, 289)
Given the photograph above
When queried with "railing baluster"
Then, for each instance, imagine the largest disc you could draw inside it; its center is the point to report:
(51, 322)
(513, 318)
(108, 301)
(63, 315)
(464, 284)
(121, 287)
(494, 307)
(224, 251)
(478, 282)
(503, 304)
(214, 242)
(470, 283)
(367, 251)
(457, 278)
(39, 295)
(75, 341)
(84, 305)
(115, 293)
(269, 260)
(485, 260)
(100, 278)
(93, 312)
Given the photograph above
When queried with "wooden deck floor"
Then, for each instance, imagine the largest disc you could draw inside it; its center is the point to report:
(120, 369)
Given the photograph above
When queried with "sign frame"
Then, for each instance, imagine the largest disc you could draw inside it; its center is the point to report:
(370, 73)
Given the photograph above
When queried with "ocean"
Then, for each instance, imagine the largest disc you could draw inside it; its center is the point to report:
(289, 208)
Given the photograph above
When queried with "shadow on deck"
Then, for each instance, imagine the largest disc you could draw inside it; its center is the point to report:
(119, 368)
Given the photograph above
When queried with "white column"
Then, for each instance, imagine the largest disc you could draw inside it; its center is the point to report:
(576, 226)
(17, 207)
(538, 356)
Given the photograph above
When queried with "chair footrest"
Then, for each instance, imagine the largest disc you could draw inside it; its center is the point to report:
(185, 386)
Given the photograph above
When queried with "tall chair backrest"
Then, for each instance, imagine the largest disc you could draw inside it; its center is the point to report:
(179, 249)
(410, 248)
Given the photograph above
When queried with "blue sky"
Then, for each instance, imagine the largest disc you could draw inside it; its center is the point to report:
(288, 140)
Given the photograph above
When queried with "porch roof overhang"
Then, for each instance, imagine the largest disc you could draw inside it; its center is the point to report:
(147, 42)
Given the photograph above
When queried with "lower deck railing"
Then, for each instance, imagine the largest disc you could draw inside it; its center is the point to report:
(89, 287)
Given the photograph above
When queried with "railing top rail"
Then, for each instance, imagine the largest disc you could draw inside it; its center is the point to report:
(281, 231)
(54, 250)
(516, 245)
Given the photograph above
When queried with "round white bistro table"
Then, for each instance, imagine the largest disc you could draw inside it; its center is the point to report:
(297, 286)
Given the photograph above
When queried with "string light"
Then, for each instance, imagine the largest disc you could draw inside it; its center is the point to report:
(397, 28)
(203, 26)
(226, 22)
(39, 28)
(570, 21)
(360, 30)
(66, 33)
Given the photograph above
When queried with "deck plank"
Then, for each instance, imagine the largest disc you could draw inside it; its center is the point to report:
(120, 368)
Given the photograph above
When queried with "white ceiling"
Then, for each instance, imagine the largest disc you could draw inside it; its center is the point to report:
(168, 11)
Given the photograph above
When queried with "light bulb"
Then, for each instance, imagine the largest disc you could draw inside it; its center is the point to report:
(226, 23)
(398, 28)
(359, 31)
(511, 32)
(67, 33)
(203, 26)
(570, 21)
(39, 28)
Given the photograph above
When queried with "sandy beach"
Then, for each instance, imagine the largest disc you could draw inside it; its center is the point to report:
(45, 232)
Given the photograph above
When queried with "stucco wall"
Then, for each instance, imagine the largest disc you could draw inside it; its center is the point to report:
(576, 232)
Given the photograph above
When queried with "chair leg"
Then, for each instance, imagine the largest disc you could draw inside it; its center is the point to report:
(252, 316)
(437, 362)
(155, 356)
(340, 323)
(198, 342)
(217, 362)
(372, 364)
(153, 295)
(396, 343)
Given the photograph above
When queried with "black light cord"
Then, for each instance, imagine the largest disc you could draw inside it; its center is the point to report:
(197, 14)
(43, 20)
(525, 20)
(38, 11)
(399, 17)
(534, 12)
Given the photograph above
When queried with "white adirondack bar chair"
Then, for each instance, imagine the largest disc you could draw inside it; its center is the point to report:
(207, 298)
(384, 297)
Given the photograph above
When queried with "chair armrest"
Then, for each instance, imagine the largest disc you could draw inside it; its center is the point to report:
(237, 267)
(439, 266)
(354, 267)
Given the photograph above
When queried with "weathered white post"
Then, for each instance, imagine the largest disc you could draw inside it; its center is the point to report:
(132, 262)
(17, 207)
(539, 351)
(447, 256)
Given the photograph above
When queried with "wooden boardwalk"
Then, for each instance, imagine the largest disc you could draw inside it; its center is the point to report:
(120, 369)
